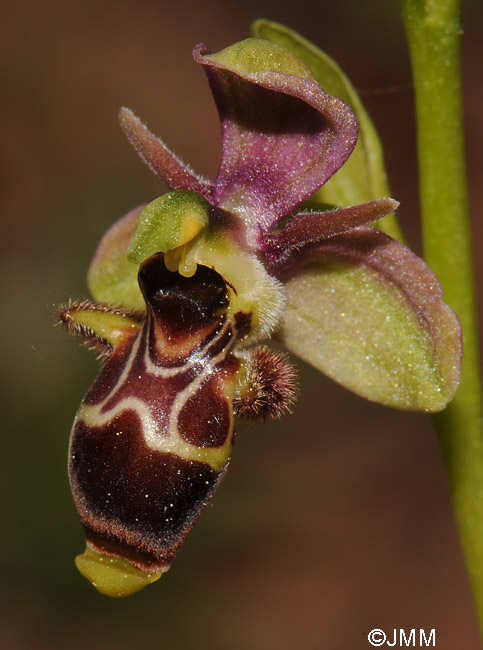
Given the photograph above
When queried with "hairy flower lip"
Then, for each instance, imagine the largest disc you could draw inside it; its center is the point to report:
(214, 274)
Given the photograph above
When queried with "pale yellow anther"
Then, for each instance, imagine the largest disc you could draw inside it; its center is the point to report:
(176, 259)
(191, 226)
(172, 259)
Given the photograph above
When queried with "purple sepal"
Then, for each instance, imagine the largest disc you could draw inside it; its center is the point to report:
(283, 138)
(307, 228)
(159, 158)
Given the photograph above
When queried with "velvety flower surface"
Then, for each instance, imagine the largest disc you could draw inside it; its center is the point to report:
(283, 138)
(187, 286)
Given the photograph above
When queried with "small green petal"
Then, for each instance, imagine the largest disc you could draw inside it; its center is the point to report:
(112, 278)
(363, 177)
(168, 222)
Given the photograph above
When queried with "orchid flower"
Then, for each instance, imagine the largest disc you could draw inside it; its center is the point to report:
(188, 286)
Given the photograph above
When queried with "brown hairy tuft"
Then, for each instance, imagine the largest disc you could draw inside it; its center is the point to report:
(270, 388)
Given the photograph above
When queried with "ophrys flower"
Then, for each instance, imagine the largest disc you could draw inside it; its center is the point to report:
(190, 284)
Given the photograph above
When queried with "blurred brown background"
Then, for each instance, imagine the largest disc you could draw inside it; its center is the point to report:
(332, 522)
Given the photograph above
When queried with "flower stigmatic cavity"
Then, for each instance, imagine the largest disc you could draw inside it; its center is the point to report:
(186, 287)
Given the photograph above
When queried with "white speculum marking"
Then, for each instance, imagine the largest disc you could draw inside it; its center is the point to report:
(158, 438)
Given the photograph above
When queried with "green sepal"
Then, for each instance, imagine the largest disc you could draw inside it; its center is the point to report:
(168, 222)
(363, 177)
(369, 314)
(112, 278)
(253, 56)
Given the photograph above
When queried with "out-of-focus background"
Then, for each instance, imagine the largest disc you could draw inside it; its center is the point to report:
(331, 522)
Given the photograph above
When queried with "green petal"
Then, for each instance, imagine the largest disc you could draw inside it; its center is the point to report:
(368, 313)
(363, 177)
(112, 278)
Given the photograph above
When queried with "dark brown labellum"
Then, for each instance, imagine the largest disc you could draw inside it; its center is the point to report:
(153, 436)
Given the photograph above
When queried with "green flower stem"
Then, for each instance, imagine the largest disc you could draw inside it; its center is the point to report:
(433, 31)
